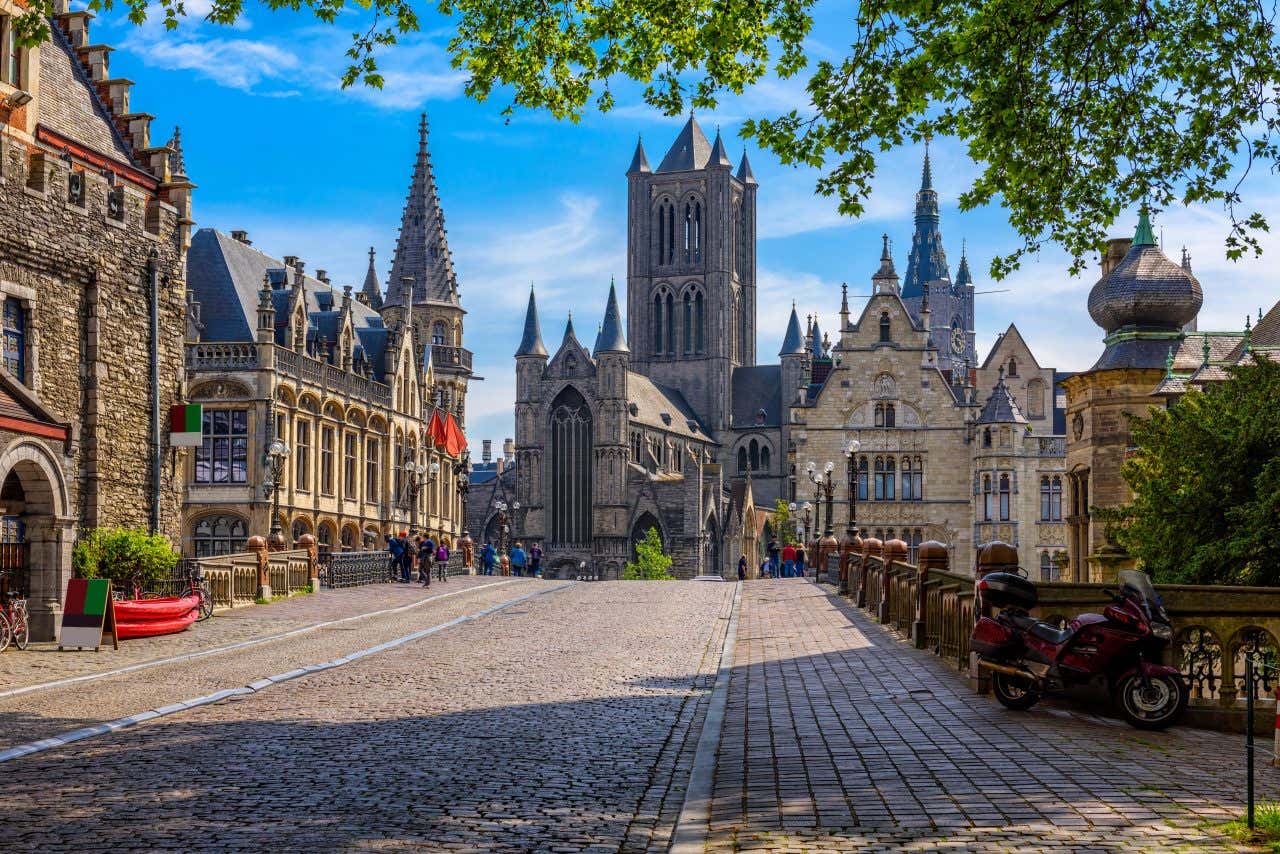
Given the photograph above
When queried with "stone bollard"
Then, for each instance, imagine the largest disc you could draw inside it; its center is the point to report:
(930, 555)
(995, 556)
(258, 545)
(308, 542)
(276, 542)
(871, 547)
(893, 551)
(849, 546)
(468, 548)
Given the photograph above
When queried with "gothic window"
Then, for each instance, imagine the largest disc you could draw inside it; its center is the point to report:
(670, 317)
(688, 323)
(438, 334)
(671, 234)
(908, 480)
(223, 455)
(913, 537)
(219, 535)
(657, 324)
(662, 232)
(302, 454)
(986, 498)
(570, 469)
(372, 490)
(879, 422)
(755, 455)
(1005, 437)
(745, 331)
(1013, 366)
(764, 458)
(15, 338)
(699, 323)
(986, 437)
(885, 486)
(635, 449)
(299, 528)
(397, 466)
(697, 230)
(890, 415)
(1051, 499)
(1004, 498)
(886, 329)
(862, 479)
(742, 460)
(348, 538)
(1035, 399)
(326, 460)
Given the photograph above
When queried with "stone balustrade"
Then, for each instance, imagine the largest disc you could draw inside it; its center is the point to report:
(222, 356)
(240, 579)
(1214, 627)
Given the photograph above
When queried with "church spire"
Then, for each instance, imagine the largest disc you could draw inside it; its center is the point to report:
(371, 290)
(927, 261)
(531, 344)
(885, 279)
(639, 162)
(719, 157)
(422, 250)
(611, 337)
(744, 170)
(793, 342)
(963, 276)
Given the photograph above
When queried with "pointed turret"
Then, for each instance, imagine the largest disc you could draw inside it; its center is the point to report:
(1000, 407)
(422, 250)
(885, 279)
(963, 276)
(927, 261)
(793, 341)
(531, 344)
(611, 337)
(745, 175)
(371, 289)
(815, 340)
(1144, 236)
(690, 150)
(719, 157)
(569, 334)
(639, 162)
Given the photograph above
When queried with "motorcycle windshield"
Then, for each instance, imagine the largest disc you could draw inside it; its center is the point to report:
(1139, 585)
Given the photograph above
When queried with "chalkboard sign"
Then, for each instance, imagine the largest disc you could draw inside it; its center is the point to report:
(833, 568)
(88, 614)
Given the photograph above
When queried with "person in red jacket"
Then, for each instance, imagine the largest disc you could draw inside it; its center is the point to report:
(788, 561)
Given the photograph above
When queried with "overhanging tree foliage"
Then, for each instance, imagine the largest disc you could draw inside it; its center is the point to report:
(1206, 483)
(1072, 109)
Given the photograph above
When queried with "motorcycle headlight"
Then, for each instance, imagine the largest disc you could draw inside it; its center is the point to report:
(1164, 631)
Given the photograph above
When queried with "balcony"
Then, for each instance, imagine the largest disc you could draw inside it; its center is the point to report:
(1052, 446)
(455, 359)
(222, 356)
(303, 368)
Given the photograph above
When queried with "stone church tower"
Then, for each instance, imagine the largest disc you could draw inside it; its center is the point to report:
(691, 273)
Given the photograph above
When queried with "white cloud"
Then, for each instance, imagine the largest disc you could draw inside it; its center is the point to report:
(236, 63)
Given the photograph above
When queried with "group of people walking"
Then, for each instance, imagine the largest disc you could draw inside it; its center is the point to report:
(518, 563)
(786, 561)
(418, 553)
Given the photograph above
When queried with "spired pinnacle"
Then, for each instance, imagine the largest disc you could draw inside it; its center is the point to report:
(793, 341)
(422, 249)
(1144, 235)
(639, 162)
(611, 337)
(371, 290)
(926, 173)
(177, 164)
(531, 343)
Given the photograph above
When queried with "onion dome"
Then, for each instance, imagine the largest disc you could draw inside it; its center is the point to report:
(1146, 290)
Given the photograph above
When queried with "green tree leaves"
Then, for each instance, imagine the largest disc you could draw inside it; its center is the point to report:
(650, 564)
(1206, 482)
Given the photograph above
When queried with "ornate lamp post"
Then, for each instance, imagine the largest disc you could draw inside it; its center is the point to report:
(807, 508)
(851, 454)
(791, 515)
(824, 487)
(276, 458)
(504, 528)
(416, 476)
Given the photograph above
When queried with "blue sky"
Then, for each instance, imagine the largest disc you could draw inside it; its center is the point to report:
(278, 149)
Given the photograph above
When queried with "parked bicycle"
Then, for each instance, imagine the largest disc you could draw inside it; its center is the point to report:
(193, 584)
(13, 623)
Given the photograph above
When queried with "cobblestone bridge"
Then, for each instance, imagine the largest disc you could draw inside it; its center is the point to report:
(539, 716)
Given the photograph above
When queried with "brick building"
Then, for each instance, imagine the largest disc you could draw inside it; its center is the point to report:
(94, 225)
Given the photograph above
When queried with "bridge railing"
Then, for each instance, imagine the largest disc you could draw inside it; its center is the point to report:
(1214, 627)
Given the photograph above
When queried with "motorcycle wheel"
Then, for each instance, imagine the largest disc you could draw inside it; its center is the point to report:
(1013, 693)
(1157, 704)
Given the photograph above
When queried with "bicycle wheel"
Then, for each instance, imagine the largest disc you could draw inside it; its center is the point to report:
(206, 603)
(21, 632)
(5, 633)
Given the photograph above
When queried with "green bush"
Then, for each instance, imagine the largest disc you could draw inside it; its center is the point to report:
(123, 554)
(651, 564)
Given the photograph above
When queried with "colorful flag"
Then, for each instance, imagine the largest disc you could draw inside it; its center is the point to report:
(184, 425)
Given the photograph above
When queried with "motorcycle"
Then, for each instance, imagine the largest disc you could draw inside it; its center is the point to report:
(1029, 658)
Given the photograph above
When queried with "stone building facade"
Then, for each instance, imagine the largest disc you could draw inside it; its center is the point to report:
(352, 392)
(95, 220)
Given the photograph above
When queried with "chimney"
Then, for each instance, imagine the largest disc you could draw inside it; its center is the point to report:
(499, 464)
(290, 260)
(509, 449)
(323, 275)
(486, 452)
(241, 237)
(1117, 248)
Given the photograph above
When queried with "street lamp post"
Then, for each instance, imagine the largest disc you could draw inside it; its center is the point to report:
(824, 488)
(277, 456)
(851, 454)
(504, 527)
(417, 476)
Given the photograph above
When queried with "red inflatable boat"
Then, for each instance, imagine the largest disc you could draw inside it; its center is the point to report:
(142, 618)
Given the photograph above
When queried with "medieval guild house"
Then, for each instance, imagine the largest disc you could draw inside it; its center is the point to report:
(95, 218)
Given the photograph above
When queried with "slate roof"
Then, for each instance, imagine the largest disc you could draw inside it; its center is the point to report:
(745, 175)
(757, 387)
(639, 162)
(1146, 289)
(651, 400)
(611, 337)
(1000, 407)
(531, 343)
(690, 151)
(1134, 353)
(927, 261)
(70, 105)
(1059, 413)
(226, 275)
(794, 341)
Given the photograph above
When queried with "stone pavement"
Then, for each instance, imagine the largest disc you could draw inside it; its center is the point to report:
(563, 723)
(840, 737)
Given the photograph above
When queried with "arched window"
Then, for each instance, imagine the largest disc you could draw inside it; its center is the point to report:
(348, 538)
(324, 535)
(300, 527)
(986, 498)
(219, 535)
(908, 480)
(1055, 499)
(986, 437)
(688, 230)
(862, 479)
(886, 329)
(671, 233)
(657, 322)
(670, 316)
(764, 458)
(879, 485)
(879, 422)
(571, 457)
(1035, 399)
(1004, 498)
(1013, 366)
(755, 455)
(662, 234)
(699, 323)
(1045, 499)
(688, 323)
(742, 460)
(890, 487)
(913, 537)
(438, 334)
(890, 415)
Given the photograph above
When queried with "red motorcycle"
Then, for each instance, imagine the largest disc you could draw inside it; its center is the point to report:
(1029, 658)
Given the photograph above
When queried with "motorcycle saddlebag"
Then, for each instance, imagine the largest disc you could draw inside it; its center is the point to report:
(1007, 590)
(993, 640)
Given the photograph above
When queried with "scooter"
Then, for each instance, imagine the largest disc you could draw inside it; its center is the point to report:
(1029, 658)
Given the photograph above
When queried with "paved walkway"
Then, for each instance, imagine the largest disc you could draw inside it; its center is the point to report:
(840, 737)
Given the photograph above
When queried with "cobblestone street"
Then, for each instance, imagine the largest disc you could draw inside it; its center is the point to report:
(561, 717)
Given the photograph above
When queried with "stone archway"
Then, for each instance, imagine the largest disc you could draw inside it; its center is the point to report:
(39, 507)
(641, 526)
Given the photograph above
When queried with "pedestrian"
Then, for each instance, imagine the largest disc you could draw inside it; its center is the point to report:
(766, 568)
(773, 558)
(800, 556)
(408, 557)
(742, 568)
(395, 552)
(788, 561)
(518, 560)
(442, 561)
(487, 557)
(535, 560)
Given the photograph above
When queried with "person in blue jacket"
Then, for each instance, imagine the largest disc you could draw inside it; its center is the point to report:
(395, 549)
(488, 556)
